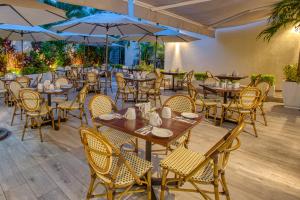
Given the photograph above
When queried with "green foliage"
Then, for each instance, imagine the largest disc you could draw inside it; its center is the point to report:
(269, 78)
(34, 64)
(145, 67)
(148, 52)
(54, 53)
(200, 76)
(284, 13)
(290, 73)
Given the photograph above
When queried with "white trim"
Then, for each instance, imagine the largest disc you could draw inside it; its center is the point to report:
(185, 3)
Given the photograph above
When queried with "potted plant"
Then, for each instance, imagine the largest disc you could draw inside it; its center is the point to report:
(269, 78)
(285, 14)
(291, 87)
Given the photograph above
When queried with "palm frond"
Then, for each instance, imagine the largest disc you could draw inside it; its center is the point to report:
(284, 13)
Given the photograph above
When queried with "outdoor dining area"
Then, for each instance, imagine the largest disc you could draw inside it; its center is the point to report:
(100, 100)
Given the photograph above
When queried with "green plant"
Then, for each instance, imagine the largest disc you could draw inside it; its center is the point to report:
(200, 76)
(284, 14)
(117, 66)
(145, 67)
(269, 78)
(290, 73)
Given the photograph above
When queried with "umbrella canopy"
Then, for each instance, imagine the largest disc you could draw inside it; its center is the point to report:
(107, 23)
(85, 38)
(161, 37)
(29, 13)
(26, 33)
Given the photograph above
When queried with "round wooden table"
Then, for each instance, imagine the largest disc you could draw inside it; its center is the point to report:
(173, 74)
(230, 77)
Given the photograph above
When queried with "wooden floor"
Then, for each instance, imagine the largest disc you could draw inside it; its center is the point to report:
(264, 168)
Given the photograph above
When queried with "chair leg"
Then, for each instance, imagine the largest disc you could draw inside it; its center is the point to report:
(25, 126)
(13, 117)
(215, 114)
(149, 186)
(253, 124)
(38, 121)
(222, 116)
(59, 116)
(91, 187)
(160, 100)
(110, 194)
(224, 184)
(163, 184)
(263, 114)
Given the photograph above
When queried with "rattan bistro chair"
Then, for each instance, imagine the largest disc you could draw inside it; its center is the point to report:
(36, 109)
(3, 91)
(24, 81)
(264, 88)
(187, 79)
(92, 80)
(204, 105)
(197, 169)
(14, 93)
(123, 89)
(102, 104)
(244, 106)
(57, 99)
(154, 91)
(77, 104)
(119, 172)
(180, 103)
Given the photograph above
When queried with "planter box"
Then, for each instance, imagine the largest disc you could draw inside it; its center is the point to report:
(291, 94)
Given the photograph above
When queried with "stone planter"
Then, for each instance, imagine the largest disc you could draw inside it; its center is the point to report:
(291, 94)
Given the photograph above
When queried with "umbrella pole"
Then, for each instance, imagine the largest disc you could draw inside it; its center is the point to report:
(155, 52)
(106, 59)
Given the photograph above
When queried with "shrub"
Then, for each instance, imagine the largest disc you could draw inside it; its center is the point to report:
(200, 76)
(269, 78)
(290, 73)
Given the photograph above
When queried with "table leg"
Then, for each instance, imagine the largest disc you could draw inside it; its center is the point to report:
(225, 97)
(173, 82)
(137, 91)
(149, 158)
(49, 99)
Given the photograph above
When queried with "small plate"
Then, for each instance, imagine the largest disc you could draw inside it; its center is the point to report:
(161, 132)
(107, 117)
(189, 115)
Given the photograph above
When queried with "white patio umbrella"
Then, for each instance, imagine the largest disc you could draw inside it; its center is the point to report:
(29, 13)
(108, 24)
(161, 37)
(26, 33)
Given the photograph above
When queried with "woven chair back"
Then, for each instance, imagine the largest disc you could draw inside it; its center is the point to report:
(31, 100)
(91, 77)
(220, 152)
(100, 104)
(62, 81)
(264, 88)
(14, 88)
(2, 85)
(82, 94)
(98, 151)
(120, 80)
(180, 103)
(24, 81)
(249, 97)
(158, 82)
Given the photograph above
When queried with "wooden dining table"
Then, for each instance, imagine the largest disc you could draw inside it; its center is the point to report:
(226, 92)
(231, 77)
(173, 74)
(137, 81)
(179, 128)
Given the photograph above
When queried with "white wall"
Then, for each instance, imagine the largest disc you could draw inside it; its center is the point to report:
(236, 49)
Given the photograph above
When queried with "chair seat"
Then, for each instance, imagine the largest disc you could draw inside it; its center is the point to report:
(183, 161)
(59, 99)
(236, 108)
(124, 177)
(44, 111)
(116, 137)
(128, 90)
(69, 105)
(207, 103)
(3, 90)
